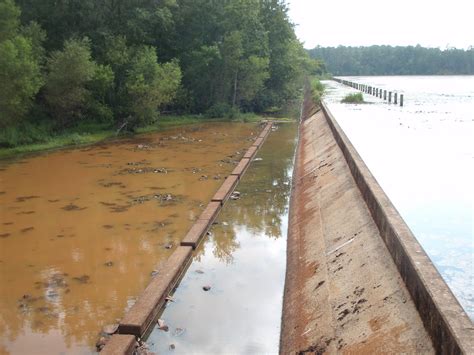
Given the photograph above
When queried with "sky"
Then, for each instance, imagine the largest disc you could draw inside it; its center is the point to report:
(432, 23)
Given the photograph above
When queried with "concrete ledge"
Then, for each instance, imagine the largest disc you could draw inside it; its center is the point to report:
(119, 345)
(143, 313)
(196, 233)
(258, 142)
(241, 167)
(446, 322)
(211, 211)
(226, 189)
(250, 153)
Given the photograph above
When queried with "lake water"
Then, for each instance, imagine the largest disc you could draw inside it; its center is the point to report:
(422, 156)
(81, 230)
(244, 263)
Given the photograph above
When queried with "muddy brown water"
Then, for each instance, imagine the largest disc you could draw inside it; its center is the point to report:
(243, 262)
(81, 230)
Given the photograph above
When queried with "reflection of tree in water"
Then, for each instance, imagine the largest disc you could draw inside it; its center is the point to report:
(265, 193)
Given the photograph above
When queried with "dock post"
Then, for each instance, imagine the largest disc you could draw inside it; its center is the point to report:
(395, 98)
(385, 94)
(389, 97)
(401, 99)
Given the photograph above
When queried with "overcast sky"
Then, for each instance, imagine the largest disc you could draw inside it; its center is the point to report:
(430, 23)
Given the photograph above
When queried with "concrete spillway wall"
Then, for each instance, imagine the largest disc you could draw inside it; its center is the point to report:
(357, 280)
(140, 319)
(445, 320)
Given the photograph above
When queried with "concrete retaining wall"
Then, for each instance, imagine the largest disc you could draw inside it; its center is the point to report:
(448, 325)
(139, 320)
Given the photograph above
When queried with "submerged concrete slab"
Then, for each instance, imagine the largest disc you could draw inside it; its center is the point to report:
(343, 292)
(226, 189)
(241, 167)
(120, 345)
(143, 313)
(196, 233)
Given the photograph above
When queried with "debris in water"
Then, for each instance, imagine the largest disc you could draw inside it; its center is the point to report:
(169, 299)
(101, 343)
(82, 279)
(154, 273)
(206, 288)
(199, 271)
(172, 347)
(110, 328)
(162, 325)
(257, 159)
(109, 263)
(73, 207)
(169, 246)
(235, 195)
(178, 331)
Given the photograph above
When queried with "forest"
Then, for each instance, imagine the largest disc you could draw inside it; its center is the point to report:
(388, 60)
(122, 63)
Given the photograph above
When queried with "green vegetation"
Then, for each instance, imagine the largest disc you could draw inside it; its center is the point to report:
(317, 90)
(116, 65)
(356, 98)
(387, 60)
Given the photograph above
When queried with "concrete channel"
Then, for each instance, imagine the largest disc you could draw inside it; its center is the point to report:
(139, 320)
(357, 279)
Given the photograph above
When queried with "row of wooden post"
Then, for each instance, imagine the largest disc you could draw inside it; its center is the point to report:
(373, 91)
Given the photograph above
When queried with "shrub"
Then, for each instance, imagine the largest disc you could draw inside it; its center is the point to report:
(317, 90)
(222, 110)
(353, 99)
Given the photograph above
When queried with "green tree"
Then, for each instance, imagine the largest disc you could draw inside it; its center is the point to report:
(69, 71)
(149, 86)
(20, 77)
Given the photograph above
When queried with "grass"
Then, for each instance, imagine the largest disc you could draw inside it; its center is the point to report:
(317, 90)
(357, 98)
(89, 133)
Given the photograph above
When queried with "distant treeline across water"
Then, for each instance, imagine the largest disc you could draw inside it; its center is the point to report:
(388, 60)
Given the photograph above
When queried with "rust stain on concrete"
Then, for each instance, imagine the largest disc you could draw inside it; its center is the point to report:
(343, 292)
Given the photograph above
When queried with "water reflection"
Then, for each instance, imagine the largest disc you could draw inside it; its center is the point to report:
(421, 154)
(81, 230)
(243, 261)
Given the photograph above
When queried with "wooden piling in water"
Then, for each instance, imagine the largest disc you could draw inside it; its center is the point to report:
(389, 97)
(385, 94)
(395, 98)
(401, 99)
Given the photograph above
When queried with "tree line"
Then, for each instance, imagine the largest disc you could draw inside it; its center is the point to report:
(121, 62)
(388, 60)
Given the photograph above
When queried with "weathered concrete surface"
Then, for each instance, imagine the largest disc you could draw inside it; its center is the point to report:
(196, 233)
(120, 345)
(343, 292)
(258, 142)
(140, 317)
(250, 153)
(240, 169)
(226, 189)
(211, 211)
(448, 325)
